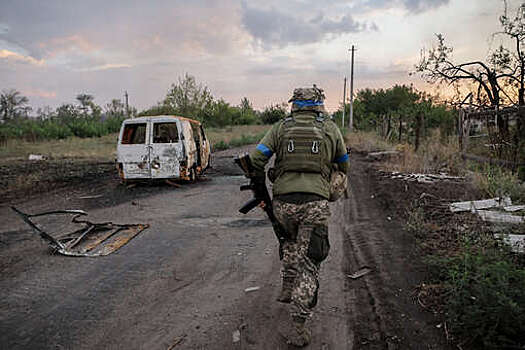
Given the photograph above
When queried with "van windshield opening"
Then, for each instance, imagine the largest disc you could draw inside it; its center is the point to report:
(134, 134)
(165, 133)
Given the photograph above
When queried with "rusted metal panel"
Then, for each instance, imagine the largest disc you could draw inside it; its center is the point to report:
(133, 153)
(166, 153)
(91, 239)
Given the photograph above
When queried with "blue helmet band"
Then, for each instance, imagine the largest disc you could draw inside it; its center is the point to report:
(307, 103)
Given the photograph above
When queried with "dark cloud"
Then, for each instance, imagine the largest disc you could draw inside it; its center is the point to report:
(275, 28)
(418, 6)
(42, 28)
(412, 6)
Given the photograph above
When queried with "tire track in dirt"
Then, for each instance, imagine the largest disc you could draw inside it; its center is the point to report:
(386, 316)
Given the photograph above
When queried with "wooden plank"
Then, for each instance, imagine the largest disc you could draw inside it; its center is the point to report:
(480, 204)
(513, 208)
(517, 242)
(500, 218)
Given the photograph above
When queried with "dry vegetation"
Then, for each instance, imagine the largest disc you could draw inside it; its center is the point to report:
(104, 148)
(474, 281)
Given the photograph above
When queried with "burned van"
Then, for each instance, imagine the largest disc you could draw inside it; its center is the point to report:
(162, 147)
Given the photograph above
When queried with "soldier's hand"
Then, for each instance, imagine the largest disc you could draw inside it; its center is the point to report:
(262, 205)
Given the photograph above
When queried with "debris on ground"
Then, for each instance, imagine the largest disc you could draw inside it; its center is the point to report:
(36, 157)
(504, 202)
(171, 183)
(502, 218)
(421, 178)
(177, 341)
(91, 239)
(236, 336)
(90, 197)
(251, 289)
(378, 156)
(360, 273)
(500, 207)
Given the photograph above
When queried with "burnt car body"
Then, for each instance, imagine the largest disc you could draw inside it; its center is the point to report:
(162, 147)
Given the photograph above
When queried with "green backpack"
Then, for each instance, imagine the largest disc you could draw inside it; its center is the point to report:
(301, 147)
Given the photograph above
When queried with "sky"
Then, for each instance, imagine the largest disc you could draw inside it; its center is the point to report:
(53, 50)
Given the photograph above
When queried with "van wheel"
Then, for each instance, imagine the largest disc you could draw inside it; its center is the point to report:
(193, 175)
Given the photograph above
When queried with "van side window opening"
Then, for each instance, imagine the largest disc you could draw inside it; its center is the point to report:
(165, 133)
(134, 134)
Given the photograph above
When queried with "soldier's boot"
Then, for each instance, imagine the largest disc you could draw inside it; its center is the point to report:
(286, 290)
(300, 336)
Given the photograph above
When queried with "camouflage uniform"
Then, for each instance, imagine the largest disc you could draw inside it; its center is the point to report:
(302, 222)
(309, 147)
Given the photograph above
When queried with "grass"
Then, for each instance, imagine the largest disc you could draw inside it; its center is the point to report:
(234, 136)
(101, 148)
(367, 142)
(473, 279)
(104, 148)
(498, 182)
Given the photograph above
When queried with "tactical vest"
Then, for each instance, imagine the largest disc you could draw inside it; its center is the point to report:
(301, 146)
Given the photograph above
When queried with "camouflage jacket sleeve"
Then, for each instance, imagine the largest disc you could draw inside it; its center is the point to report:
(265, 150)
(341, 159)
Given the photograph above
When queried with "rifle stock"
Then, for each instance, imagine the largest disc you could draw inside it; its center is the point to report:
(260, 194)
(248, 206)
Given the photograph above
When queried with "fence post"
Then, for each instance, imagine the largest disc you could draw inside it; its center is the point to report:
(418, 130)
(460, 129)
(520, 143)
(400, 127)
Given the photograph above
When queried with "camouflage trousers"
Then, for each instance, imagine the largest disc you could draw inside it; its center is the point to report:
(305, 225)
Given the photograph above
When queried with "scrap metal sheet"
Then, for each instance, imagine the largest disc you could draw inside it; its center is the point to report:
(90, 239)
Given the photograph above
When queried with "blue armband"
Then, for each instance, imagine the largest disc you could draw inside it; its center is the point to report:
(342, 159)
(265, 150)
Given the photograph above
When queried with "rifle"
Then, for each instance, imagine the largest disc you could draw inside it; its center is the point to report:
(260, 194)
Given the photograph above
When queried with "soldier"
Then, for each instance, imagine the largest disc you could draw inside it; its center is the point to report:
(308, 147)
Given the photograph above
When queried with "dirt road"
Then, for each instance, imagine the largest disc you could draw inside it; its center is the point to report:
(181, 283)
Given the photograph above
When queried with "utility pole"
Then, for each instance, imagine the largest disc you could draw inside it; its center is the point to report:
(344, 104)
(352, 91)
(127, 106)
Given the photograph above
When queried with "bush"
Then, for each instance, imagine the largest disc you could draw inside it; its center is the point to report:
(485, 298)
(273, 114)
(219, 146)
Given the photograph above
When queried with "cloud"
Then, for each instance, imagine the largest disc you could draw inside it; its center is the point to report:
(419, 6)
(16, 57)
(411, 6)
(274, 28)
(106, 66)
(39, 93)
(75, 42)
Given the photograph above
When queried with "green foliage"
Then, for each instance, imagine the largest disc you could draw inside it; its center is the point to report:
(495, 181)
(191, 99)
(84, 120)
(384, 110)
(237, 142)
(13, 105)
(273, 114)
(485, 297)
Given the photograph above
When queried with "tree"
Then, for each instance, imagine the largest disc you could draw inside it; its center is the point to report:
(496, 81)
(188, 98)
(13, 105)
(438, 66)
(116, 108)
(514, 62)
(88, 106)
(274, 113)
(247, 113)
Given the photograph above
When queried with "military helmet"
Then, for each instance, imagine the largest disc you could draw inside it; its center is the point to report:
(314, 94)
